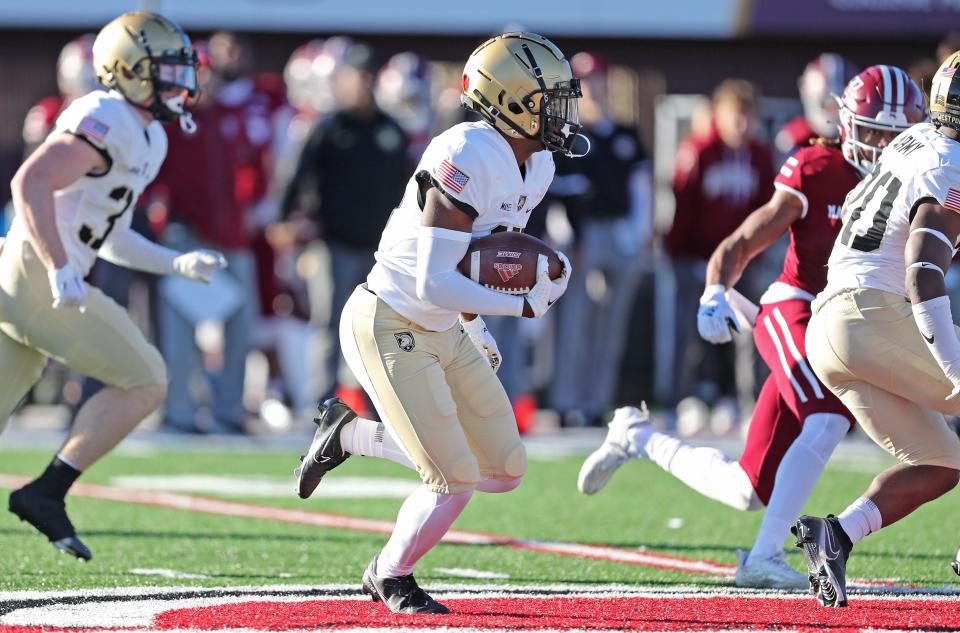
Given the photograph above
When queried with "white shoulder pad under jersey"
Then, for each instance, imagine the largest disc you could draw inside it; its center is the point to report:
(920, 164)
(91, 207)
(473, 166)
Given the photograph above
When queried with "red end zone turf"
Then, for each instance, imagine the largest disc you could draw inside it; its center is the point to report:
(602, 614)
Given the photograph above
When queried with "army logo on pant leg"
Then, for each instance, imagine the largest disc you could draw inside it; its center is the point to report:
(405, 341)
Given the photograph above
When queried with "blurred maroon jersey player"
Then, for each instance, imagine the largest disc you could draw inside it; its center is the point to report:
(823, 79)
(75, 78)
(797, 421)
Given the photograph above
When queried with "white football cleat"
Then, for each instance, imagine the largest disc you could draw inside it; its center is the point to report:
(768, 573)
(599, 467)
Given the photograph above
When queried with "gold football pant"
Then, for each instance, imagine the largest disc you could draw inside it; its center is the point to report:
(101, 342)
(865, 346)
(436, 395)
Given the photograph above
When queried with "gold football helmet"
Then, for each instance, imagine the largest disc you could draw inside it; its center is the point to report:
(522, 85)
(945, 93)
(141, 55)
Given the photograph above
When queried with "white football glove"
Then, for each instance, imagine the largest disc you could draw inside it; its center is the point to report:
(482, 339)
(199, 265)
(716, 319)
(560, 285)
(68, 288)
(539, 296)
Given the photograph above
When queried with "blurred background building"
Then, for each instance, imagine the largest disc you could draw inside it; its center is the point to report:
(289, 84)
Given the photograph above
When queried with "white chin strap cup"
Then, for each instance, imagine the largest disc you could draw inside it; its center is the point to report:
(586, 139)
(187, 124)
(176, 104)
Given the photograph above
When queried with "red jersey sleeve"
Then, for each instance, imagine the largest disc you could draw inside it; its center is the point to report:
(790, 178)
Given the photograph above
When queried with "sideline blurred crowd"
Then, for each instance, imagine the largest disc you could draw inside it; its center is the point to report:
(293, 177)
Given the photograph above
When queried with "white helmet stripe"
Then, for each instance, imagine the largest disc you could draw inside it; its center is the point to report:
(829, 66)
(887, 87)
(901, 89)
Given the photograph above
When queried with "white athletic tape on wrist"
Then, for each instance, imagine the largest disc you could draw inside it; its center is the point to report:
(927, 266)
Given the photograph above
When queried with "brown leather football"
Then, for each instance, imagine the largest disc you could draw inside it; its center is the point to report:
(507, 261)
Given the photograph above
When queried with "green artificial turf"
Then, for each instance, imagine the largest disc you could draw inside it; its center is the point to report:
(632, 512)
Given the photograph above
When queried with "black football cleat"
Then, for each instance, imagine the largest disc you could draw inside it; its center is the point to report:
(401, 594)
(825, 548)
(325, 452)
(49, 516)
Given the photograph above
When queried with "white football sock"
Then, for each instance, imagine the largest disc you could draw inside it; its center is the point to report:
(707, 470)
(369, 438)
(861, 517)
(423, 520)
(797, 474)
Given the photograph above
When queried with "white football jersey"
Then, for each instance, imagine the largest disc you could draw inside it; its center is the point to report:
(90, 208)
(919, 164)
(476, 168)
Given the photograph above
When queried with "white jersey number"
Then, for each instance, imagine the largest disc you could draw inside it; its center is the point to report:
(867, 211)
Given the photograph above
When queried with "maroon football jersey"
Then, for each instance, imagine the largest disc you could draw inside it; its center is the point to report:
(821, 178)
(795, 133)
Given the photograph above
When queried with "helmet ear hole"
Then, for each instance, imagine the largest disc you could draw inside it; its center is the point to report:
(515, 108)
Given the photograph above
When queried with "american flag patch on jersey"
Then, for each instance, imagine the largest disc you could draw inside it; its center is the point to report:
(93, 129)
(452, 178)
(952, 201)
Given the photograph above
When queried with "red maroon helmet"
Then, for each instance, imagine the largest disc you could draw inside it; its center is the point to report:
(75, 76)
(822, 80)
(881, 98)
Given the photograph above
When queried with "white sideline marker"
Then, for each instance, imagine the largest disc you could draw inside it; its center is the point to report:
(166, 573)
(466, 572)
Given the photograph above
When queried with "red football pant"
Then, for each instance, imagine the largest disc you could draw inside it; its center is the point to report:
(790, 394)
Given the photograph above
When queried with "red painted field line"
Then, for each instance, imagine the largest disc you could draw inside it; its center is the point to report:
(207, 505)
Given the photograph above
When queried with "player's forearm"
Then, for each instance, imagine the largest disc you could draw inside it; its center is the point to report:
(33, 200)
(129, 249)
(727, 262)
(439, 282)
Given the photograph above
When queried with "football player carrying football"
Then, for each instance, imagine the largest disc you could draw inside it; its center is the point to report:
(797, 422)
(429, 373)
(73, 199)
(882, 336)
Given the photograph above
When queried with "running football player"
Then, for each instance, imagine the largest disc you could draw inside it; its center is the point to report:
(797, 422)
(882, 336)
(409, 334)
(73, 199)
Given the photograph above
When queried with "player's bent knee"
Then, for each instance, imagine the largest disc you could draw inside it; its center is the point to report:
(738, 491)
(153, 395)
(515, 466)
(460, 474)
(822, 432)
